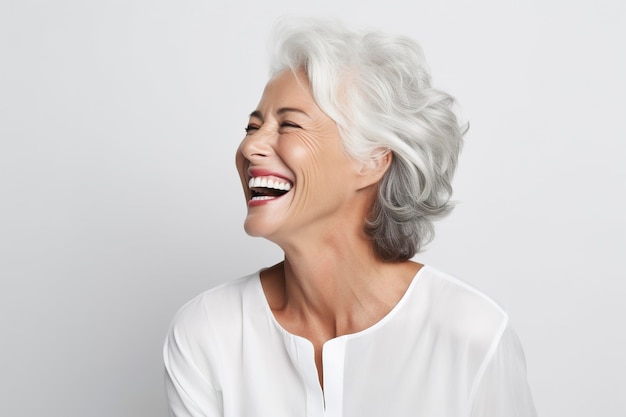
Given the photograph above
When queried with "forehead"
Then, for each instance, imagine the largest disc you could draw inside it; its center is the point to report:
(288, 89)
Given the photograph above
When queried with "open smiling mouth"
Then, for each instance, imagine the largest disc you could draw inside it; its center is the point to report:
(268, 188)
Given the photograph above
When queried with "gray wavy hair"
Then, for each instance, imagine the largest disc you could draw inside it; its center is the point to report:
(377, 88)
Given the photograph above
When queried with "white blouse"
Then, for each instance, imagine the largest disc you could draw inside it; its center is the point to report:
(445, 350)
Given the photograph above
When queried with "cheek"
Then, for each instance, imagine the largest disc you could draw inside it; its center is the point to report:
(322, 180)
(302, 157)
(306, 158)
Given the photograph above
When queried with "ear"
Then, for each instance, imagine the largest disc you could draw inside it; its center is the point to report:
(372, 172)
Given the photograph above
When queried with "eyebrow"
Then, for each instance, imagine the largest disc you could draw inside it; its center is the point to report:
(282, 110)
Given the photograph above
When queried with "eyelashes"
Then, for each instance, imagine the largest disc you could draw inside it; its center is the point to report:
(252, 128)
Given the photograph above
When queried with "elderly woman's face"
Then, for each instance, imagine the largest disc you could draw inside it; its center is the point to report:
(297, 178)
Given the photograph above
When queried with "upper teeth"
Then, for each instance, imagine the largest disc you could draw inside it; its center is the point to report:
(269, 183)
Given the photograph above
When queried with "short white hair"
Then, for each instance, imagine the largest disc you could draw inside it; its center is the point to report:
(377, 88)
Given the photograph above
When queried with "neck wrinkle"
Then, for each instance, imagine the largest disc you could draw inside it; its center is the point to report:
(341, 289)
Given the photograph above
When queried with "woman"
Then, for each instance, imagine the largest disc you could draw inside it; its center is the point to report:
(346, 162)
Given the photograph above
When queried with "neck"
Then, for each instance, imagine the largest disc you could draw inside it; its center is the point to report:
(334, 284)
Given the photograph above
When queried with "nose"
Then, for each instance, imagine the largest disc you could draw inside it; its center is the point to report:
(256, 146)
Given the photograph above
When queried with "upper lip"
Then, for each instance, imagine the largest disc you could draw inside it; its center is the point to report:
(261, 172)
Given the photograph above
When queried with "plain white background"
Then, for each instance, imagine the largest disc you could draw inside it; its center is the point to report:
(119, 199)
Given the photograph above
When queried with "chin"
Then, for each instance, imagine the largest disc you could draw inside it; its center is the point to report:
(257, 229)
(251, 231)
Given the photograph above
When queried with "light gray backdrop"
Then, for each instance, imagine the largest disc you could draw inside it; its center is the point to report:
(119, 199)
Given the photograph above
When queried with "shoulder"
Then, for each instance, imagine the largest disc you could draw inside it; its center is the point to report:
(218, 307)
(194, 348)
(457, 297)
(463, 312)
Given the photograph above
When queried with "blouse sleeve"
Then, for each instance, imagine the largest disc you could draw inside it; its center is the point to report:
(188, 388)
(501, 389)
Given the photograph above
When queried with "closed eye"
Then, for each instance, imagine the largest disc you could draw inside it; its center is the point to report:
(251, 128)
(289, 124)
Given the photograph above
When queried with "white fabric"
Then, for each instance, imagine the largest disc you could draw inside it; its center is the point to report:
(445, 350)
